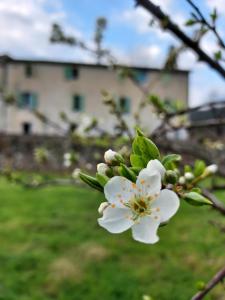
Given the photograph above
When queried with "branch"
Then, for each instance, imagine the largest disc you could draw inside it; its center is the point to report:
(216, 203)
(210, 285)
(168, 24)
(203, 21)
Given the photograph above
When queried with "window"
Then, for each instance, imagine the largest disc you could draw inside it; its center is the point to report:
(28, 71)
(141, 77)
(124, 105)
(78, 103)
(28, 100)
(26, 128)
(71, 72)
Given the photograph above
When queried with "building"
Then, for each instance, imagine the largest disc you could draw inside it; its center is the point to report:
(210, 118)
(75, 88)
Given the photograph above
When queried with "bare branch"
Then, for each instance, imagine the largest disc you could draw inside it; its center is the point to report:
(168, 24)
(216, 203)
(211, 284)
(204, 21)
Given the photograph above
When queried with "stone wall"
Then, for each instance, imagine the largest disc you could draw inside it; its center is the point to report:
(17, 152)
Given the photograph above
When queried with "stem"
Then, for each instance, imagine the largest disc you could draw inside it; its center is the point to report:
(216, 203)
(168, 24)
(210, 285)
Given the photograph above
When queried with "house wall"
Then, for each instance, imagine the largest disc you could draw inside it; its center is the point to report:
(55, 95)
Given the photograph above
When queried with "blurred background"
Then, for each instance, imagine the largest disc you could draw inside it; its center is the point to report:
(76, 77)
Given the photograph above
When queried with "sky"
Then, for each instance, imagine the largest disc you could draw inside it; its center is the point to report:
(25, 27)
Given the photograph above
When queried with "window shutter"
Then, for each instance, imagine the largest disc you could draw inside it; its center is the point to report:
(141, 76)
(68, 72)
(34, 101)
(20, 100)
(82, 103)
(127, 105)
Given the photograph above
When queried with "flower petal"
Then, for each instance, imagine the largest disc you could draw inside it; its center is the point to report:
(148, 183)
(168, 203)
(118, 190)
(155, 164)
(146, 230)
(116, 220)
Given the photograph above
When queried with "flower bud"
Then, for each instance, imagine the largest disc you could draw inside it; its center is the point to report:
(171, 177)
(212, 169)
(67, 156)
(102, 207)
(189, 176)
(76, 173)
(112, 157)
(102, 168)
(67, 163)
(182, 180)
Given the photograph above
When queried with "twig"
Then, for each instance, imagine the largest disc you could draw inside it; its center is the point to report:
(203, 21)
(210, 285)
(168, 24)
(216, 203)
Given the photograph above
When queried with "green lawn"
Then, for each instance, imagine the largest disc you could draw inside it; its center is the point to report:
(52, 248)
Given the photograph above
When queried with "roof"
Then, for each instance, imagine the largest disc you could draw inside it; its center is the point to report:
(215, 112)
(9, 59)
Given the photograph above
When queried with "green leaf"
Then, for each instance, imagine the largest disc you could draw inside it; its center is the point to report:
(139, 132)
(135, 147)
(218, 55)
(199, 167)
(102, 179)
(187, 169)
(136, 170)
(136, 161)
(91, 181)
(155, 100)
(171, 158)
(197, 190)
(190, 22)
(148, 148)
(196, 199)
(214, 15)
(126, 172)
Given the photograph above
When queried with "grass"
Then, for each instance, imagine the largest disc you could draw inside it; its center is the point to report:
(52, 248)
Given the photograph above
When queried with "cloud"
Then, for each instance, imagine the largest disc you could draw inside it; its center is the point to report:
(219, 4)
(25, 29)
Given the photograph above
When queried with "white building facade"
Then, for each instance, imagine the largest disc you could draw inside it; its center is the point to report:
(73, 88)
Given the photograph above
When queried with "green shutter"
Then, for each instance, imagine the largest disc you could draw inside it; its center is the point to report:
(34, 101)
(68, 72)
(20, 100)
(127, 105)
(82, 103)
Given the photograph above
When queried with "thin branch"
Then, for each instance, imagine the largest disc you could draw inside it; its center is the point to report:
(218, 205)
(210, 285)
(204, 21)
(168, 24)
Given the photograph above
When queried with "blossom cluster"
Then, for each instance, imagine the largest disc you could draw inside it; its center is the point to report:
(146, 191)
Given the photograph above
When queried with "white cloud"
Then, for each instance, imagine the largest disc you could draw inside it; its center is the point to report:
(219, 4)
(25, 29)
(148, 56)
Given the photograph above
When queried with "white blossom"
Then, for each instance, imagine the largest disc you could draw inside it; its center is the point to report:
(141, 206)
(102, 168)
(67, 163)
(102, 207)
(212, 169)
(76, 173)
(155, 164)
(182, 180)
(188, 176)
(110, 156)
(67, 156)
